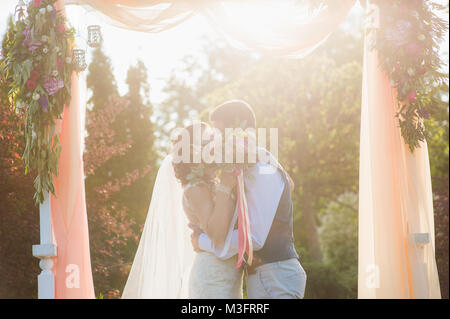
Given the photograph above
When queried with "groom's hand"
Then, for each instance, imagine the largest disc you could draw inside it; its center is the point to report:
(196, 231)
(194, 240)
(194, 227)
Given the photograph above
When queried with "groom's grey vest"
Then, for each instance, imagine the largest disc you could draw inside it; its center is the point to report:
(279, 244)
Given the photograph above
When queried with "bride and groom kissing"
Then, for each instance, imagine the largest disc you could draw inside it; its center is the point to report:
(209, 223)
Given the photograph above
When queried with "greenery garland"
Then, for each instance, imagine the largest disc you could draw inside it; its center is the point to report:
(407, 41)
(38, 64)
(408, 47)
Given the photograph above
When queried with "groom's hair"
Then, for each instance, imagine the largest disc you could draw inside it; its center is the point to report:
(234, 112)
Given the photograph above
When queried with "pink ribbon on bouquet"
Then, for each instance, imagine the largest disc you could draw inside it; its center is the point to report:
(245, 244)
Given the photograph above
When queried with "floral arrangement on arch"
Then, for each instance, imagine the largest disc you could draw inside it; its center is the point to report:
(37, 55)
(407, 42)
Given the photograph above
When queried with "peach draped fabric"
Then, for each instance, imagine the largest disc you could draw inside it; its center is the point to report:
(73, 275)
(395, 200)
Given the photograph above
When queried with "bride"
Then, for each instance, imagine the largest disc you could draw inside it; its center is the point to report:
(186, 194)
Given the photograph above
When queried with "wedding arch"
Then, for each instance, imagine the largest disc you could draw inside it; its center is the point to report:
(396, 225)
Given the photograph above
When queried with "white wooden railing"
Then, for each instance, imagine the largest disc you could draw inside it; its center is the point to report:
(45, 251)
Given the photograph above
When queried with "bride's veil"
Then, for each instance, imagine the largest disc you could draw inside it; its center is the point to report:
(164, 257)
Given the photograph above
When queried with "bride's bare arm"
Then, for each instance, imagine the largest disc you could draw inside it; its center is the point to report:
(214, 218)
(222, 213)
(201, 205)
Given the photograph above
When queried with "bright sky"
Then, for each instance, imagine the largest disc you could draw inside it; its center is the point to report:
(162, 53)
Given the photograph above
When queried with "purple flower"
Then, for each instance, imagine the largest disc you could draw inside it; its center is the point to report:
(43, 101)
(423, 113)
(399, 33)
(52, 84)
(29, 42)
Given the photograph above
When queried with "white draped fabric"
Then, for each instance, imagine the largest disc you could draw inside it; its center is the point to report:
(294, 39)
(396, 223)
(396, 260)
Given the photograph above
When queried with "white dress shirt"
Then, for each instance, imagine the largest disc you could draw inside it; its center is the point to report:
(264, 186)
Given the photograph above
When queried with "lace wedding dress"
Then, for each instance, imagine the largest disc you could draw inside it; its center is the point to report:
(212, 277)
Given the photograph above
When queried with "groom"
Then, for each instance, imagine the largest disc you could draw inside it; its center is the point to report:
(276, 271)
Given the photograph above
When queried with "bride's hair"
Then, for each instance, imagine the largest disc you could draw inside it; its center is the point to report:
(182, 169)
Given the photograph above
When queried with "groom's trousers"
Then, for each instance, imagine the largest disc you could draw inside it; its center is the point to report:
(279, 280)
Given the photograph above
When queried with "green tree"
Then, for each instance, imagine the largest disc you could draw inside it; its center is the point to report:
(339, 240)
(120, 168)
(135, 124)
(132, 127)
(438, 143)
(100, 79)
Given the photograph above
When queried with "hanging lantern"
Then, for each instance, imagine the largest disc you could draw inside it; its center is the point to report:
(94, 36)
(20, 11)
(79, 60)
